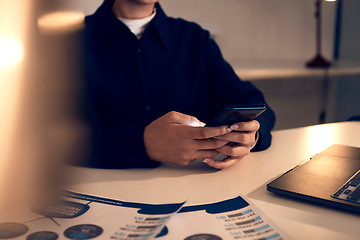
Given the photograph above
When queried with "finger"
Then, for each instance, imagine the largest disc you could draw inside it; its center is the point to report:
(228, 162)
(211, 143)
(235, 151)
(251, 126)
(184, 162)
(210, 132)
(204, 154)
(245, 138)
(181, 118)
(187, 156)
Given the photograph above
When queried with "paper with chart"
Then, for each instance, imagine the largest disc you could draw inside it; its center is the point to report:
(83, 216)
(235, 218)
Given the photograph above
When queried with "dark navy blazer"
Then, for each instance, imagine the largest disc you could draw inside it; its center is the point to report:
(174, 66)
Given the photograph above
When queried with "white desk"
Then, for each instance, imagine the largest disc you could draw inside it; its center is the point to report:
(201, 184)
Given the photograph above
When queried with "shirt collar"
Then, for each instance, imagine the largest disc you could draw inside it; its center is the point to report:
(105, 23)
(162, 25)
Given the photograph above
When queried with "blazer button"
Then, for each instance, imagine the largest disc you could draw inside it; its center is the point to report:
(139, 49)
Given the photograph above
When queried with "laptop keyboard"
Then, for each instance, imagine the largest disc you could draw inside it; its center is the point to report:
(350, 191)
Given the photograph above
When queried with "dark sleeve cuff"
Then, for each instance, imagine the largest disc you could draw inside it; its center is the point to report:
(119, 149)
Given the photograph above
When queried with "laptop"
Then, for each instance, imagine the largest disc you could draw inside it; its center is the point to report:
(331, 177)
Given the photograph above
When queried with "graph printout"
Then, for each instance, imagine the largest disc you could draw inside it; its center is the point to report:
(82, 216)
(235, 218)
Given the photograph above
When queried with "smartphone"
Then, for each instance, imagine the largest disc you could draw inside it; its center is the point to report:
(237, 113)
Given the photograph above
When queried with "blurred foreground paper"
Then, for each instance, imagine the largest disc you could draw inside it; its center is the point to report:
(39, 124)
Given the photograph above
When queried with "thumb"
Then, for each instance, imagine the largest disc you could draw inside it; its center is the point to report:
(193, 121)
(186, 120)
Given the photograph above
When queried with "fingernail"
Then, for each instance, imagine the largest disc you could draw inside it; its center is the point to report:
(205, 161)
(234, 127)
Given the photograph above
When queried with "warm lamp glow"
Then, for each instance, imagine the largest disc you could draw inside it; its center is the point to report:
(321, 137)
(11, 51)
(60, 22)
